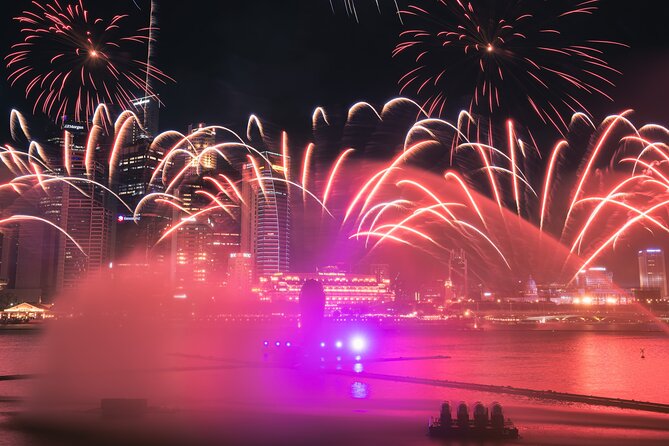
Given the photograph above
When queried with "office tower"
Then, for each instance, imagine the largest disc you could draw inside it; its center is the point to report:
(381, 271)
(137, 162)
(201, 138)
(136, 236)
(652, 272)
(87, 218)
(240, 271)
(594, 278)
(265, 222)
(147, 109)
(458, 274)
(202, 245)
(40, 261)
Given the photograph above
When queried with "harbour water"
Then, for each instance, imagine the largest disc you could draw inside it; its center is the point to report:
(226, 376)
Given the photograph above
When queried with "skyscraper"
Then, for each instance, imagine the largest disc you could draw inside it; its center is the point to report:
(240, 271)
(202, 245)
(41, 261)
(265, 231)
(146, 108)
(87, 218)
(652, 272)
(201, 138)
(458, 273)
(137, 163)
(138, 236)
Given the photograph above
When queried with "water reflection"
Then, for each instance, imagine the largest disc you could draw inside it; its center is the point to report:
(359, 390)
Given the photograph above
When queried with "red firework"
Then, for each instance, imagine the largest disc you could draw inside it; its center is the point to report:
(69, 61)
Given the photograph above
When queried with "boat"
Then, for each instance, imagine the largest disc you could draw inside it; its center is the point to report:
(481, 425)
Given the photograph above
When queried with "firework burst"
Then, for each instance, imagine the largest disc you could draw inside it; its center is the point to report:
(69, 61)
(508, 57)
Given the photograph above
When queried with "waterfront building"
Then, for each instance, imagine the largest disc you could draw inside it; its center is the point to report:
(458, 274)
(595, 286)
(240, 271)
(343, 291)
(652, 272)
(26, 311)
(266, 215)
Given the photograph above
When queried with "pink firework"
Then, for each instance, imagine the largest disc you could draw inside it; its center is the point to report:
(69, 61)
(513, 59)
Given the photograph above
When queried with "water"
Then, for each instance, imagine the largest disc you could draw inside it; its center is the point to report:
(303, 406)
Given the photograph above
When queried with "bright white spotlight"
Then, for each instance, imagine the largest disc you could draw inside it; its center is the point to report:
(358, 344)
(338, 344)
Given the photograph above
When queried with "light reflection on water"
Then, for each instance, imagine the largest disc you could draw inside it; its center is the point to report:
(604, 364)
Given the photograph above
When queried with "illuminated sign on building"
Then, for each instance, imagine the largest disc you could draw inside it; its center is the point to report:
(124, 218)
(77, 127)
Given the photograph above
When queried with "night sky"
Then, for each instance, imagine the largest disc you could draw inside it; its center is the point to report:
(280, 59)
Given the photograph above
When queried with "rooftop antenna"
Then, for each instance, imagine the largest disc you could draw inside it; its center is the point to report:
(153, 22)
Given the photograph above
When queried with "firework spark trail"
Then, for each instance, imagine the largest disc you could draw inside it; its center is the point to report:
(69, 61)
(333, 173)
(506, 56)
(148, 197)
(351, 10)
(547, 181)
(19, 218)
(397, 202)
(306, 160)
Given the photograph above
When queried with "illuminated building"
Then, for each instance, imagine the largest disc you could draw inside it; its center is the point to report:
(381, 271)
(137, 235)
(88, 219)
(431, 292)
(594, 286)
(652, 272)
(201, 138)
(240, 271)
(531, 293)
(596, 277)
(265, 219)
(342, 290)
(27, 311)
(136, 164)
(41, 261)
(201, 247)
(193, 261)
(147, 110)
(458, 273)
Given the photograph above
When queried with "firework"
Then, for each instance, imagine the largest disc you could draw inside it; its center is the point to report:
(484, 201)
(507, 58)
(351, 9)
(69, 60)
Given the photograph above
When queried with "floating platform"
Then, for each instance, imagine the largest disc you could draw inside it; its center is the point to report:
(479, 427)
